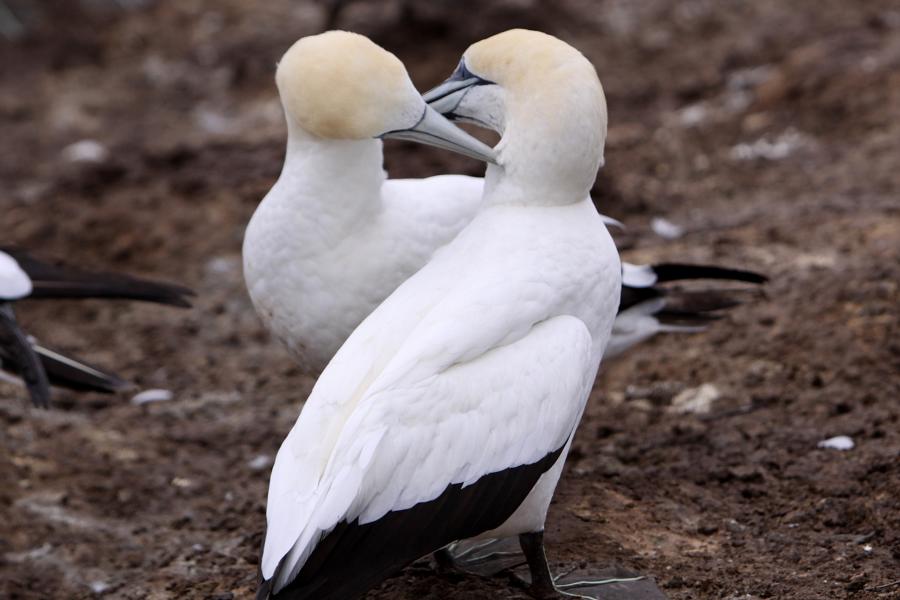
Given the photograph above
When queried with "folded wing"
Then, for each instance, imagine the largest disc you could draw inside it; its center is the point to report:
(423, 461)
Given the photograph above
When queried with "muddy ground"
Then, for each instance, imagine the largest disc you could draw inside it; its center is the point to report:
(767, 130)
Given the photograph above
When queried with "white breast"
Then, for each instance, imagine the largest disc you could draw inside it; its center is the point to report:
(312, 290)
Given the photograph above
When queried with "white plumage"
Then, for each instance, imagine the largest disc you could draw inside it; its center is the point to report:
(479, 364)
(14, 282)
(451, 378)
(639, 276)
(334, 236)
(318, 261)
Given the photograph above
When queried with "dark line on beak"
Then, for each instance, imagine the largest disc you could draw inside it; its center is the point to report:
(422, 118)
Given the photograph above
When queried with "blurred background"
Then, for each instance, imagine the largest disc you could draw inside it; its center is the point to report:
(139, 135)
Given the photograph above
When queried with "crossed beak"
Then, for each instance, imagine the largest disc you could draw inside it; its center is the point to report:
(446, 97)
(435, 130)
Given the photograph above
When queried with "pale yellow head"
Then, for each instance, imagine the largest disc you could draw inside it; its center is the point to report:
(545, 99)
(545, 83)
(341, 85)
(525, 62)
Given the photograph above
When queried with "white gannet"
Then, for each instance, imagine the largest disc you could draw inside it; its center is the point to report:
(449, 411)
(22, 276)
(334, 237)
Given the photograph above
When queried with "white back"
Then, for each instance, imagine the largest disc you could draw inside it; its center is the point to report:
(433, 347)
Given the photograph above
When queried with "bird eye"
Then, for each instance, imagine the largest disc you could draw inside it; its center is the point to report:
(463, 73)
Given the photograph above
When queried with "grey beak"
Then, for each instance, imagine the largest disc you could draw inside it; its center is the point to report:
(447, 96)
(435, 130)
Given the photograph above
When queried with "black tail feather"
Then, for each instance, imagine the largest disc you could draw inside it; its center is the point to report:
(680, 272)
(667, 317)
(632, 296)
(697, 301)
(684, 307)
(705, 301)
(352, 558)
(264, 592)
(58, 281)
(74, 374)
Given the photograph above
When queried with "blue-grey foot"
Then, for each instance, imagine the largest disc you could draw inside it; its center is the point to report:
(545, 586)
(486, 558)
(508, 557)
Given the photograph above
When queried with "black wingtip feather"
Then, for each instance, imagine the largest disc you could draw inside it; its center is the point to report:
(51, 280)
(670, 317)
(264, 592)
(707, 301)
(353, 558)
(75, 374)
(115, 287)
(702, 301)
(680, 272)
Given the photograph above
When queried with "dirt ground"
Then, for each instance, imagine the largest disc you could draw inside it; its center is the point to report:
(767, 130)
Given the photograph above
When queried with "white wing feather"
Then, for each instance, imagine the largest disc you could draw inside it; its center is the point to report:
(369, 427)
(403, 445)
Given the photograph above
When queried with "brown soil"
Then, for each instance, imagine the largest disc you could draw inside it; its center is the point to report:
(768, 129)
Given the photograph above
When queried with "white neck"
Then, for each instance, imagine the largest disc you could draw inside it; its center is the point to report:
(551, 146)
(328, 185)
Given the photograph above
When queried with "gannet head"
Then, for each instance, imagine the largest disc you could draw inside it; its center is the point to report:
(546, 101)
(342, 86)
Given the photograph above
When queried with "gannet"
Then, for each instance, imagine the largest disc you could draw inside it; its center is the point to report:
(22, 277)
(15, 285)
(334, 237)
(449, 411)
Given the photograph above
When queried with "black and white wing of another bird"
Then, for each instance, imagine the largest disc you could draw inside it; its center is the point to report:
(24, 277)
(15, 347)
(648, 307)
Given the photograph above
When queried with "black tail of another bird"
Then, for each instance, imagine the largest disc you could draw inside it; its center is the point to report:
(687, 305)
(74, 374)
(652, 309)
(680, 272)
(57, 281)
(699, 301)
